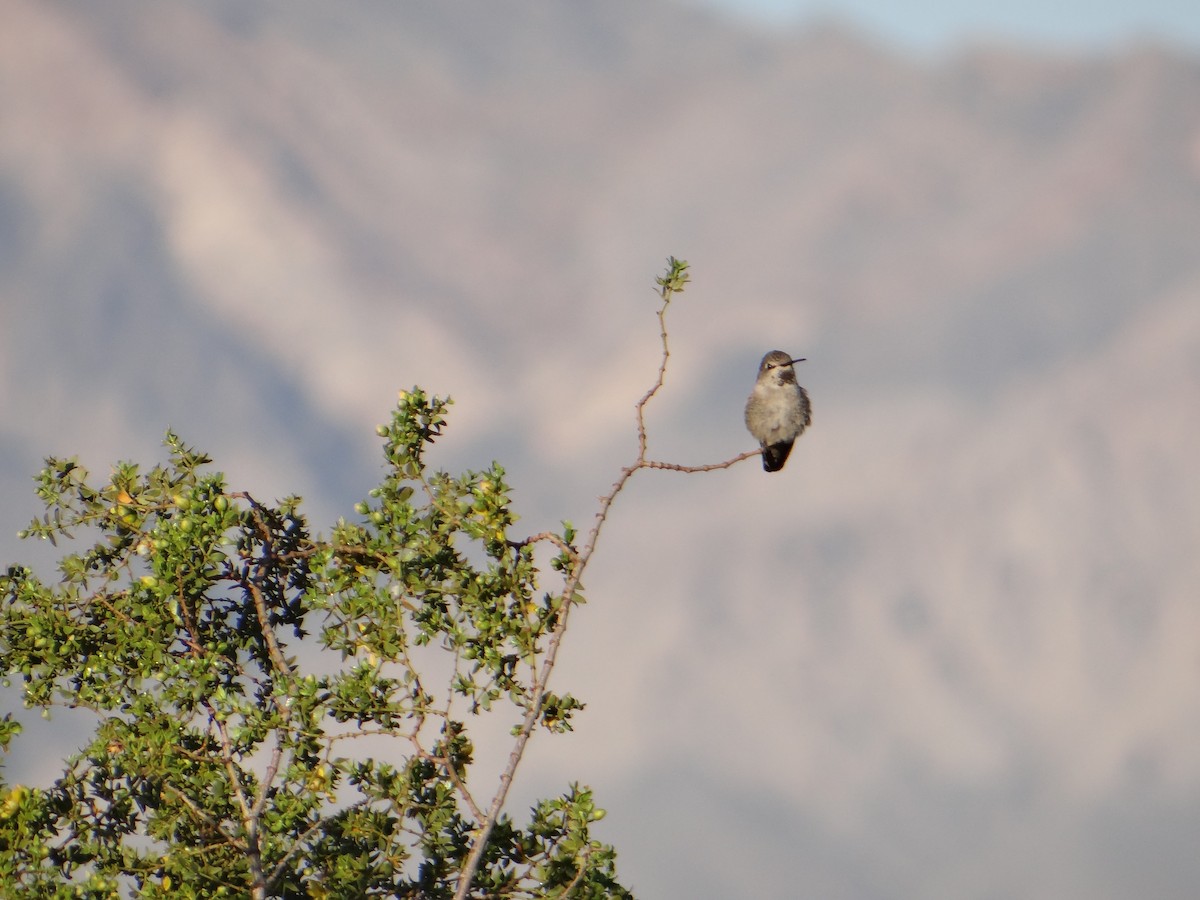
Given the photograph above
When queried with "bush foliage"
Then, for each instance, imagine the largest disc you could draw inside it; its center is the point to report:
(235, 664)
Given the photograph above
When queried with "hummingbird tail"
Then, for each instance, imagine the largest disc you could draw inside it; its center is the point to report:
(775, 455)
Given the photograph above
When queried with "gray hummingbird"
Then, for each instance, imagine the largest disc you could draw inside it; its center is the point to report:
(778, 410)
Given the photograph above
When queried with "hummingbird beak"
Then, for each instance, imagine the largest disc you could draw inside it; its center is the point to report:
(802, 359)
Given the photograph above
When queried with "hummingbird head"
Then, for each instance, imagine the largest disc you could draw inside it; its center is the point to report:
(779, 364)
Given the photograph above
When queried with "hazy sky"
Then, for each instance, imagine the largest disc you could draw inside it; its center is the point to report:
(935, 24)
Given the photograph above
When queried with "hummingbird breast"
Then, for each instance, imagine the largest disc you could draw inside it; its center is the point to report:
(777, 412)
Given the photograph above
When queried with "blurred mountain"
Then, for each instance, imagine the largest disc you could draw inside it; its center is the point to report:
(952, 650)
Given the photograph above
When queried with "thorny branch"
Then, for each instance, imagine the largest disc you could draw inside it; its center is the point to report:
(669, 285)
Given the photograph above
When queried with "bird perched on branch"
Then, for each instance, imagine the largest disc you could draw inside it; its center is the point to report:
(778, 410)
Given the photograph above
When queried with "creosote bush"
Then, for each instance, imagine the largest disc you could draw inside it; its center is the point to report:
(221, 764)
(235, 667)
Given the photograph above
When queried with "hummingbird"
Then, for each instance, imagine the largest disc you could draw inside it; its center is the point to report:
(778, 410)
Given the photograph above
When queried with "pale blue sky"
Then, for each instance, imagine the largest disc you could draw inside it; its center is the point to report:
(936, 25)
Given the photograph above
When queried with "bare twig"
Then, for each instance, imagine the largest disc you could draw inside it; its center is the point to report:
(670, 285)
(662, 371)
(674, 467)
(548, 536)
